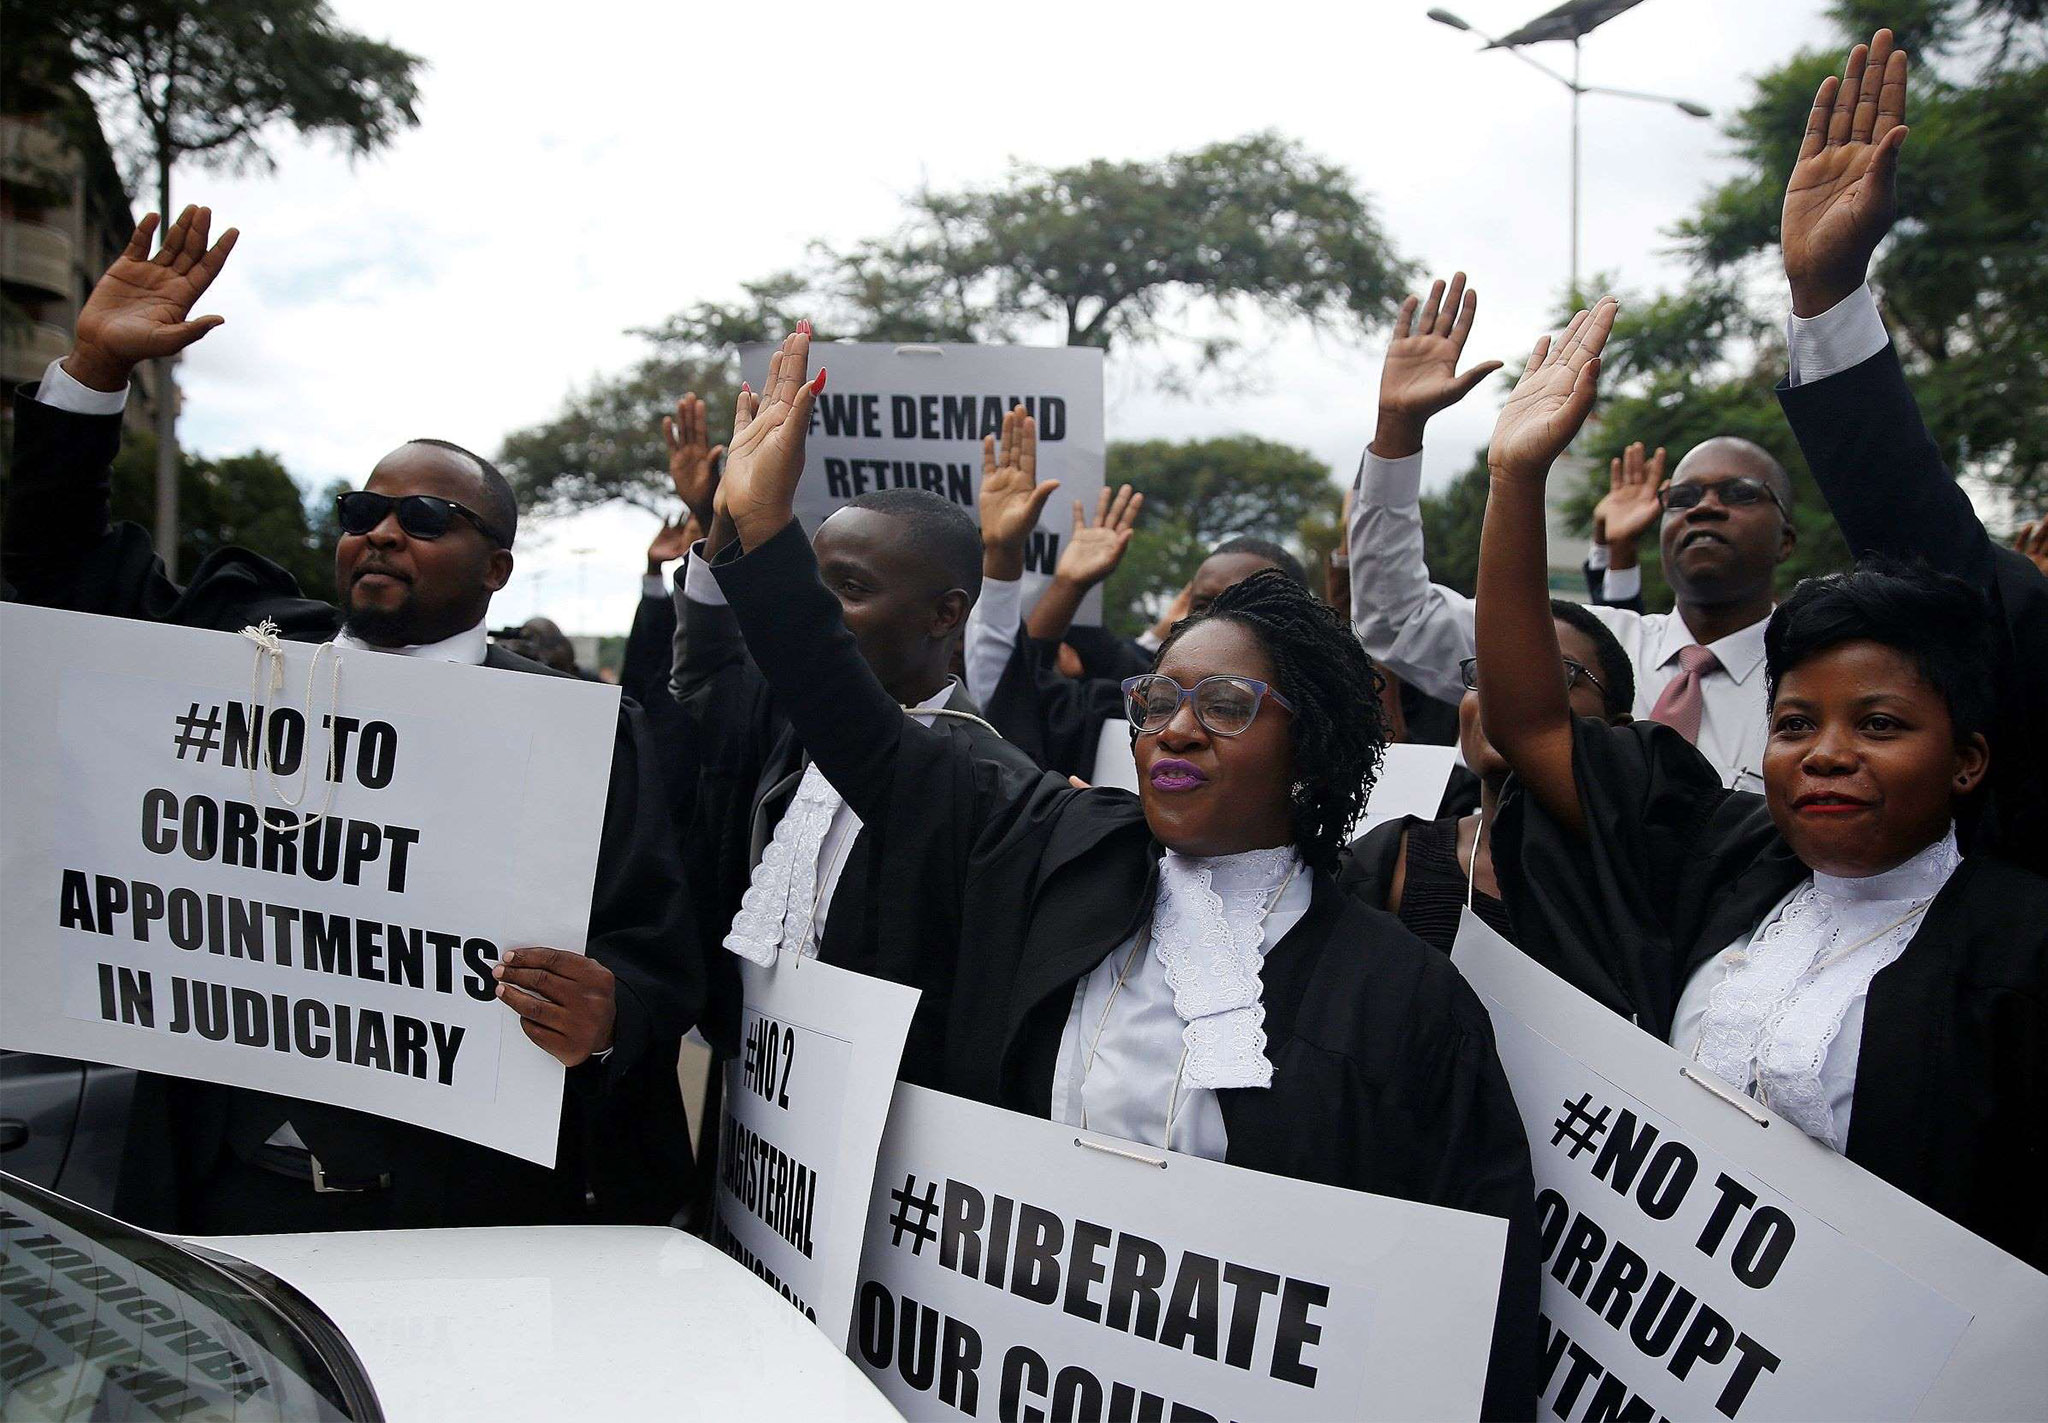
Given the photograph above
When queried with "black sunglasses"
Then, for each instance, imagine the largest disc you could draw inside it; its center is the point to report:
(1574, 673)
(422, 516)
(1733, 493)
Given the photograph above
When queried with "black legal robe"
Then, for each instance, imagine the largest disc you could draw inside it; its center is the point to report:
(624, 1136)
(1886, 485)
(1054, 719)
(1017, 886)
(750, 763)
(1952, 1074)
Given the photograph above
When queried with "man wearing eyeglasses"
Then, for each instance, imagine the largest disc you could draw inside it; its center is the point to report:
(1724, 525)
(423, 548)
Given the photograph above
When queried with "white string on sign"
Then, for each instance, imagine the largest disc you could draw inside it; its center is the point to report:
(270, 650)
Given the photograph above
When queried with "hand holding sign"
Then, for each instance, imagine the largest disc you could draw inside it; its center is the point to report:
(1842, 196)
(139, 309)
(567, 1003)
(1011, 496)
(766, 458)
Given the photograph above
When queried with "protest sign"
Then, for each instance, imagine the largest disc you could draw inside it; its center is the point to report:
(805, 1103)
(1018, 1268)
(1706, 1259)
(162, 907)
(1411, 781)
(912, 417)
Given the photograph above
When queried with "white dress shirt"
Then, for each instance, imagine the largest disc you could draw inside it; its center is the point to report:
(1421, 630)
(991, 641)
(1847, 334)
(1138, 1036)
(60, 392)
(1779, 1013)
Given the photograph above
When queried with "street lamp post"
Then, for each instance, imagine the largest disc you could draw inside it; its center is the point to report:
(1572, 27)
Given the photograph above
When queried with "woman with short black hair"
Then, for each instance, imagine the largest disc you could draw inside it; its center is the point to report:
(1176, 967)
(1825, 947)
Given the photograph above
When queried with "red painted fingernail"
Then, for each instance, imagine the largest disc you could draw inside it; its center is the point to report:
(818, 385)
(746, 389)
(804, 326)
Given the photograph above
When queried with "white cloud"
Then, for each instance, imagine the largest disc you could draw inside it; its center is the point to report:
(584, 171)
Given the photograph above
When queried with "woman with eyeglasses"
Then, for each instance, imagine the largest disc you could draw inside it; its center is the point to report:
(1177, 967)
(1427, 871)
(1824, 947)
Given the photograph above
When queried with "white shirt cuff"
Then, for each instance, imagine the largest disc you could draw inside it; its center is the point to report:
(1394, 482)
(1596, 557)
(1001, 602)
(59, 391)
(699, 584)
(651, 586)
(1847, 334)
(1622, 584)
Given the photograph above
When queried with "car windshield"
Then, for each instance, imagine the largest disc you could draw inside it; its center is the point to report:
(101, 1320)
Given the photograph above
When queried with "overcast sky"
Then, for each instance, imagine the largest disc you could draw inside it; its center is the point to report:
(584, 170)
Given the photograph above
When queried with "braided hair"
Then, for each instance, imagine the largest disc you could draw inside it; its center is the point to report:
(1339, 729)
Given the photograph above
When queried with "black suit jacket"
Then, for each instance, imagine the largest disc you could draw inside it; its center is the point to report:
(624, 1136)
(1888, 488)
(750, 762)
(1016, 886)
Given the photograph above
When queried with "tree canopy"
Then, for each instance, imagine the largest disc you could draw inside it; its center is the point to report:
(1167, 257)
(1197, 494)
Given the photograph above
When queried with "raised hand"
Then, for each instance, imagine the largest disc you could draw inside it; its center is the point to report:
(1011, 496)
(1421, 375)
(765, 461)
(141, 308)
(1183, 603)
(1842, 195)
(1094, 549)
(673, 541)
(1553, 397)
(2032, 540)
(692, 458)
(1630, 504)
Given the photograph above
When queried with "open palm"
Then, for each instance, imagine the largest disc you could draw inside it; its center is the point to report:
(1421, 374)
(1842, 195)
(139, 309)
(1553, 397)
(1631, 503)
(765, 461)
(1093, 550)
(692, 458)
(1011, 497)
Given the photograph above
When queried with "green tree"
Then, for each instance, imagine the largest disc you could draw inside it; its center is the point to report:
(202, 81)
(1963, 281)
(1119, 255)
(1197, 494)
(244, 501)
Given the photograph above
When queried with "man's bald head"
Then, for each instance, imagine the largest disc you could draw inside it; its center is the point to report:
(1726, 456)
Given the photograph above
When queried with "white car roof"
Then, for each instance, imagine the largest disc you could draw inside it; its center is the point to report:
(555, 1322)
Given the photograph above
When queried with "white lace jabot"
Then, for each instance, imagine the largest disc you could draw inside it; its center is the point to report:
(1208, 933)
(1772, 1019)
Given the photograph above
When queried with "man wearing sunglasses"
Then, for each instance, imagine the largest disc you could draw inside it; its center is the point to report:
(1724, 526)
(423, 547)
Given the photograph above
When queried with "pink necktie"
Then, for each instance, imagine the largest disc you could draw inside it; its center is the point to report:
(1680, 704)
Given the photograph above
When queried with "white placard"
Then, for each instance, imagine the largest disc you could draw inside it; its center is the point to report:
(1115, 761)
(893, 416)
(158, 912)
(1014, 1272)
(1709, 1259)
(1412, 781)
(805, 1103)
